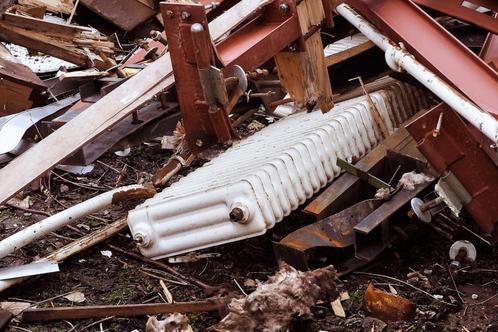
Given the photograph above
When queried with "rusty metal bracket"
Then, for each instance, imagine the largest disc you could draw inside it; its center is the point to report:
(201, 67)
(198, 83)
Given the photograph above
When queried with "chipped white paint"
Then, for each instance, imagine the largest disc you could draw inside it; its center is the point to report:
(345, 44)
(265, 176)
(40, 64)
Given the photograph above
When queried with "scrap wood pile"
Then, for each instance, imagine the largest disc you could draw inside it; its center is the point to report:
(249, 165)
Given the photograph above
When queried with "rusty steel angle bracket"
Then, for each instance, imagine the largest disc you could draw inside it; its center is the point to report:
(200, 66)
(455, 9)
(192, 57)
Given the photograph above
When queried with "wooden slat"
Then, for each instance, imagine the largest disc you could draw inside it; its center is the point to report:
(304, 74)
(55, 6)
(349, 53)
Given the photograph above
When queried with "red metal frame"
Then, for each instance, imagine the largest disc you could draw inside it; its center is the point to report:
(455, 149)
(431, 44)
(455, 9)
(489, 52)
(193, 55)
(201, 125)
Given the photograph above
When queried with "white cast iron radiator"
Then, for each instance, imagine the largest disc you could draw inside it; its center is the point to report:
(257, 182)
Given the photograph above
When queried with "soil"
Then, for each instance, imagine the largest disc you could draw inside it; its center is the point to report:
(120, 280)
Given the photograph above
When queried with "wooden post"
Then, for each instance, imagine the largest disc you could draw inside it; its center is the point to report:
(303, 74)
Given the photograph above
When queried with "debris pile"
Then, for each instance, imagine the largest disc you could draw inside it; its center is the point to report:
(166, 157)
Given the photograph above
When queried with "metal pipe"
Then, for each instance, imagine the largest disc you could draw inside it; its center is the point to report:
(68, 216)
(399, 59)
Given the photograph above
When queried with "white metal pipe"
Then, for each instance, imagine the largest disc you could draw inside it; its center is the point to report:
(59, 220)
(399, 59)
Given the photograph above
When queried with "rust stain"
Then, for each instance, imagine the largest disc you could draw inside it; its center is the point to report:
(147, 191)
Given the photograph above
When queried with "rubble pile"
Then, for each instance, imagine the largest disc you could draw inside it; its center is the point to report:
(195, 165)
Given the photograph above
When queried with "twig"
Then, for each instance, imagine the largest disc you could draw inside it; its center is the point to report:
(95, 323)
(70, 19)
(161, 278)
(79, 184)
(207, 288)
(404, 283)
(41, 213)
(240, 287)
(109, 166)
(485, 301)
(62, 236)
(21, 329)
(454, 284)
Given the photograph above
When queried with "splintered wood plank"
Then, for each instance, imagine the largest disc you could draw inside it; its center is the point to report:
(55, 6)
(304, 74)
(339, 57)
(78, 45)
(85, 127)
(108, 111)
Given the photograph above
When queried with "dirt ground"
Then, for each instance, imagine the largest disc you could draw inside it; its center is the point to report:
(120, 280)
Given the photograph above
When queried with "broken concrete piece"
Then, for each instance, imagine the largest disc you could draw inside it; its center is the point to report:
(386, 306)
(275, 303)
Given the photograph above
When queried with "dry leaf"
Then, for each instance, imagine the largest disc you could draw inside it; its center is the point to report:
(393, 290)
(15, 308)
(167, 293)
(337, 308)
(77, 297)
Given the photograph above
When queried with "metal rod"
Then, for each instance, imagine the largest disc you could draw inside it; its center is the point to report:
(130, 310)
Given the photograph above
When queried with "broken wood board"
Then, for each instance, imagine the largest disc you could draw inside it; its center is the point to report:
(108, 111)
(79, 45)
(54, 6)
(18, 84)
(304, 74)
(347, 48)
(127, 310)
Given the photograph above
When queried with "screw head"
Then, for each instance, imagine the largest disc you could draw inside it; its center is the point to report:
(284, 8)
(236, 214)
(141, 240)
(185, 16)
(170, 13)
(239, 213)
(199, 143)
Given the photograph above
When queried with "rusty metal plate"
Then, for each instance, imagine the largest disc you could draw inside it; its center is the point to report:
(126, 14)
